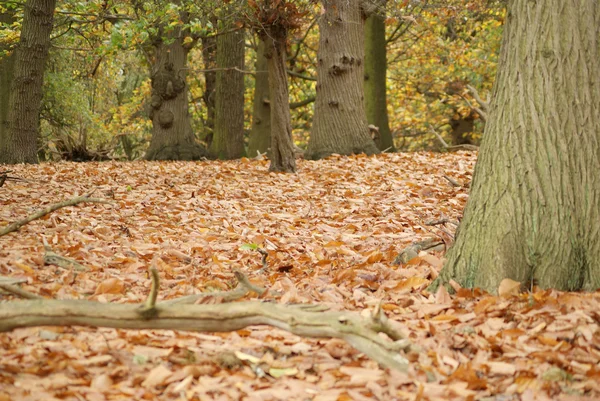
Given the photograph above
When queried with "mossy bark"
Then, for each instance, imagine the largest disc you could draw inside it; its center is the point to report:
(375, 77)
(209, 54)
(282, 154)
(260, 135)
(25, 98)
(172, 136)
(340, 122)
(228, 137)
(534, 209)
(7, 64)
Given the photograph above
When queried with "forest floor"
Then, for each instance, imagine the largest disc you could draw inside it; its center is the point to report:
(331, 232)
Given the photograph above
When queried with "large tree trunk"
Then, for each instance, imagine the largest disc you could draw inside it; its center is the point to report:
(172, 136)
(375, 77)
(340, 123)
(260, 136)
(228, 137)
(7, 64)
(209, 57)
(282, 146)
(534, 210)
(30, 56)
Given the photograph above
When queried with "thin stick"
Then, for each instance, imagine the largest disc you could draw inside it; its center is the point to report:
(13, 289)
(42, 212)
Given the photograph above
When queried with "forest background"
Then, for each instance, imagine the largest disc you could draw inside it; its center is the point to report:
(97, 85)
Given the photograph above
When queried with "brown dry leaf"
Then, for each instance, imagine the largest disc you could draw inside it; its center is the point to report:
(110, 286)
(509, 288)
(157, 377)
(340, 223)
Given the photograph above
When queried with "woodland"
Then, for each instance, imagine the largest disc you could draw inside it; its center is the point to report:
(302, 200)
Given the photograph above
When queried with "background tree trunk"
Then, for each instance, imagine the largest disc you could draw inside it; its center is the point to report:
(260, 136)
(375, 76)
(534, 210)
(7, 63)
(340, 123)
(30, 56)
(282, 146)
(172, 136)
(209, 57)
(228, 138)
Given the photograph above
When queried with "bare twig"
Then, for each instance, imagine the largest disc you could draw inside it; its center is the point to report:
(453, 182)
(485, 104)
(52, 258)
(243, 288)
(13, 289)
(42, 212)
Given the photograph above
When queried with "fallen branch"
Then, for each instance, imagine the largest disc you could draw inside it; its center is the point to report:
(452, 147)
(412, 251)
(42, 212)
(303, 320)
(52, 258)
(243, 288)
(18, 291)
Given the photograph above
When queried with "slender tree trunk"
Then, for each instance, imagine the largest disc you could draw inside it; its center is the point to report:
(375, 76)
(340, 122)
(260, 136)
(172, 136)
(282, 146)
(228, 138)
(26, 88)
(209, 54)
(534, 210)
(7, 64)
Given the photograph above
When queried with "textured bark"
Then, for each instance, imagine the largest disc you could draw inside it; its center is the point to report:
(375, 77)
(533, 214)
(6, 73)
(282, 146)
(172, 136)
(340, 123)
(228, 137)
(26, 87)
(209, 53)
(260, 136)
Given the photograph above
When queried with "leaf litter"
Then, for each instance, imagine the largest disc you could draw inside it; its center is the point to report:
(330, 235)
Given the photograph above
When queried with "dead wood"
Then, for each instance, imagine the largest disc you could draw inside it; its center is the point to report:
(42, 212)
(303, 320)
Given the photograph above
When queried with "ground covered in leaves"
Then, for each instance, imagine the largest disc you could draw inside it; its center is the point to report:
(331, 233)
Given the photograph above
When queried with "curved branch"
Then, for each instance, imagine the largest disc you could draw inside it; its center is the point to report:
(302, 320)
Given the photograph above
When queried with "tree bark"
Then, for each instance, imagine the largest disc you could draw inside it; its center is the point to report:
(172, 136)
(228, 137)
(260, 136)
(340, 122)
(30, 56)
(375, 77)
(533, 214)
(209, 53)
(282, 154)
(7, 64)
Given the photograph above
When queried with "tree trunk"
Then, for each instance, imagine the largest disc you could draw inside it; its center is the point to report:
(228, 138)
(172, 136)
(7, 64)
(375, 77)
(282, 146)
(534, 210)
(30, 56)
(260, 136)
(340, 122)
(209, 53)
